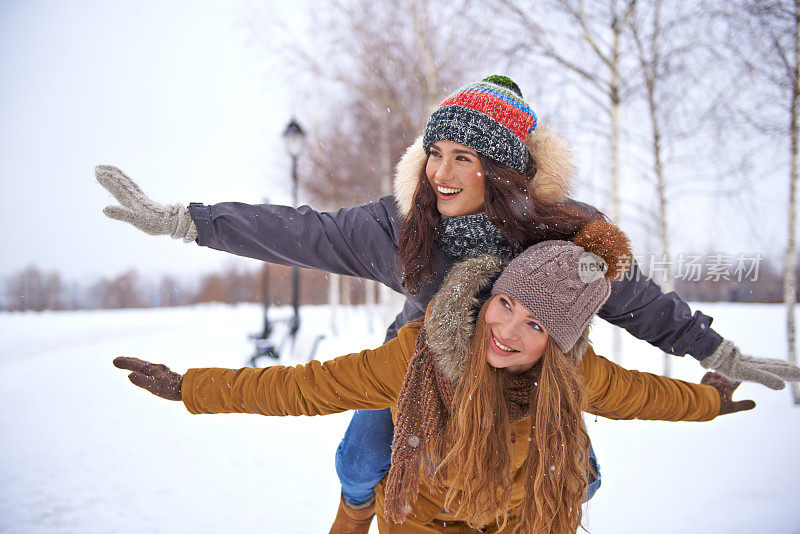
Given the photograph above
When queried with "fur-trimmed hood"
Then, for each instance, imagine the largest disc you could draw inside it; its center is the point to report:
(451, 316)
(554, 174)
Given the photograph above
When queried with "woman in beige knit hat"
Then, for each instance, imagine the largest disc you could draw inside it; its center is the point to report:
(487, 410)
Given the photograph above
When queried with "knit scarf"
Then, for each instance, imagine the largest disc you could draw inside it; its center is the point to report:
(468, 235)
(424, 407)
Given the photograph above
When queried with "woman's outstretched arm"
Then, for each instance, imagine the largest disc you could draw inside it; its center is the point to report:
(359, 241)
(368, 380)
(618, 393)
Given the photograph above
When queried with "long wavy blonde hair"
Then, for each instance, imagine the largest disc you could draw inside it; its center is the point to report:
(476, 472)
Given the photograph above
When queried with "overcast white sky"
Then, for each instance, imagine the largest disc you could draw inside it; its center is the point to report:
(173, 93)
(170, 92)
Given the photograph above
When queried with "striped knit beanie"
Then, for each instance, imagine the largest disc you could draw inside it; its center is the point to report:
(489, 116)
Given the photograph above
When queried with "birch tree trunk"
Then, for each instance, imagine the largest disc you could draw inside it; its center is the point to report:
(616, 335)
(371, 304)
(650, 62)
(789, 277)
(614, 104)
(668, 284)
(334, 301)
(614, 121)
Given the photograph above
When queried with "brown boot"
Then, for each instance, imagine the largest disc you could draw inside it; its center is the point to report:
(352, 521)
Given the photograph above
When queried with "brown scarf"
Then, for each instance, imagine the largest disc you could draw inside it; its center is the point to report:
(423, 410)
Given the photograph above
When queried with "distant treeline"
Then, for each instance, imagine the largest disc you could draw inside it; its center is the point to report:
(31, 289)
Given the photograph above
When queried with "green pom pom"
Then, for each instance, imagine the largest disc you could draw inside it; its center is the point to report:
(505, 81)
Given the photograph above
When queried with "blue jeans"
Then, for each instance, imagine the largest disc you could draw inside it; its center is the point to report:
(365, 453)
(593, 474)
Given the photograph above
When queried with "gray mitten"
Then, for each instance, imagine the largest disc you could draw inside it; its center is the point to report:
(138, 210)
(729, 361)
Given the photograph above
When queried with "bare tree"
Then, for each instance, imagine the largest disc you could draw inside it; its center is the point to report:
(372, 72)
(651, 61)
(764, 37)
(171, 292)
(126, 290)
(32, 289)
(585, 39)
(673, 61)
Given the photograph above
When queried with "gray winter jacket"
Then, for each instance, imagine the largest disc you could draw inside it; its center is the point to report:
(363, 242)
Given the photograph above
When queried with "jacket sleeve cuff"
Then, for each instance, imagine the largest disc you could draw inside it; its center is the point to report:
(187, 390)
(707, 345)
(714, 400)
(201, 216)
(716, 403)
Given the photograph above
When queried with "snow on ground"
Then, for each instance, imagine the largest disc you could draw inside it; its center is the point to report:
(85, 451)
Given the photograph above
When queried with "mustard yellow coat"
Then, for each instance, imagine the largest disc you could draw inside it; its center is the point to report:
(372, 379)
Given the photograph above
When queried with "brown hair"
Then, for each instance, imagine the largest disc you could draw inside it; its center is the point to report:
(513, 207)
(558, 457)
(476, 473)
(476, 470)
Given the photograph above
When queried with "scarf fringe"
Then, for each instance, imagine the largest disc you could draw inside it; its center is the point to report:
(402, 489)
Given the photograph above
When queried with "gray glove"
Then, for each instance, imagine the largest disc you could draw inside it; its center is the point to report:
(729, 361)
(142, 212)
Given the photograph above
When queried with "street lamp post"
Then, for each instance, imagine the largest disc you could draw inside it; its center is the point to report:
(294, 137)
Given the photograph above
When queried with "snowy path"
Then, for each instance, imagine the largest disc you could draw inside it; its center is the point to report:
(84, 451)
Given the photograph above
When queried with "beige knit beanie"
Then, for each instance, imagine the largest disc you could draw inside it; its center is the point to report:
(565, 283)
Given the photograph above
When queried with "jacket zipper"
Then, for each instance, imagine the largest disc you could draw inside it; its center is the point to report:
(605, 413)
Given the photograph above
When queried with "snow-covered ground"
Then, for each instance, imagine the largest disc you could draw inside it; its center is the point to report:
(85, 451)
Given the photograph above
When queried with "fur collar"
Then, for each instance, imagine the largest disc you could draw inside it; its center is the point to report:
(451, 316)
(553, 180)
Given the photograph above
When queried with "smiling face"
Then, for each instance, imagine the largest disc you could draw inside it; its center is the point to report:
(515, 339)
(456, 175)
